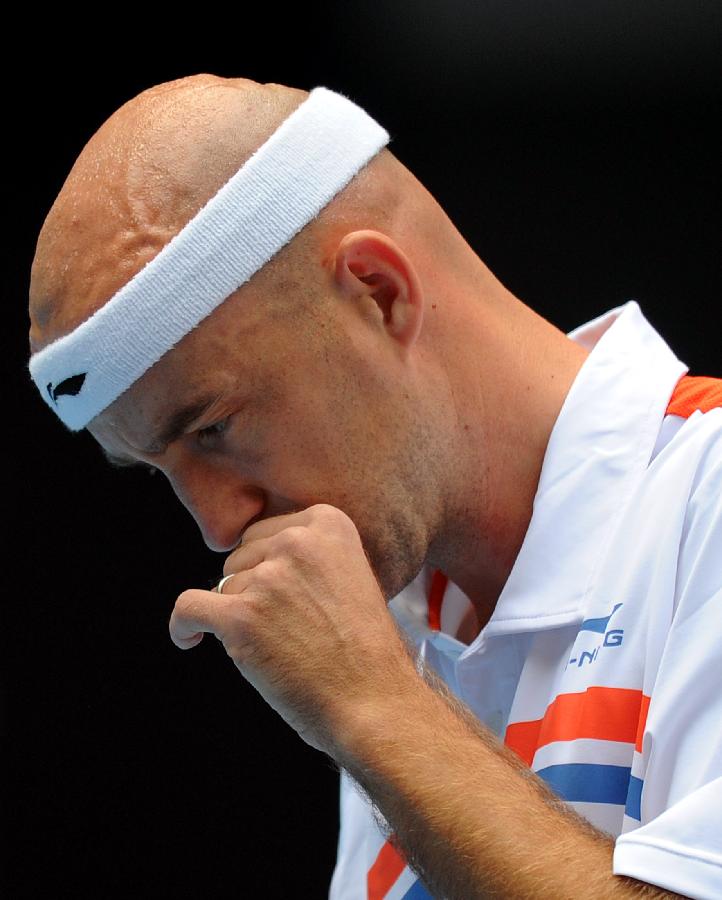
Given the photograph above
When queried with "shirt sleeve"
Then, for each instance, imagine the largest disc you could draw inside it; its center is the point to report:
(680, 849)
(678, 845)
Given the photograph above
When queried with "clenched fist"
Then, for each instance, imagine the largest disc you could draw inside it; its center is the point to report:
(305, 621)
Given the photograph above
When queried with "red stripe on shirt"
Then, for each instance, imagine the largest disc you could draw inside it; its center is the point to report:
(695, 392)
(389, 864)
(606, 714)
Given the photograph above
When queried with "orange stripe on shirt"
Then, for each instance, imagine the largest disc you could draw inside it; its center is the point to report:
(523, 739)
(695, 392)
(436, 597)
(389, 864)
(606, 714)
(644, 710)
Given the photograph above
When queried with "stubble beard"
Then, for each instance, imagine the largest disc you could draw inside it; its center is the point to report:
(396, 556)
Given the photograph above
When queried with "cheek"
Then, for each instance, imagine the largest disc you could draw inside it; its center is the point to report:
(303, 440)
(290, 432)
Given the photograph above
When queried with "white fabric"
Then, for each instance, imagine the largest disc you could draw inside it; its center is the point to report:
(312, 156)
(681, 849)
(626, 527)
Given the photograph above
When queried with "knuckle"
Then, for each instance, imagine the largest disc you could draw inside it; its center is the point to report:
(324, 511)
(292, 539)
(268, 571)
(332, 515)
(338, 525)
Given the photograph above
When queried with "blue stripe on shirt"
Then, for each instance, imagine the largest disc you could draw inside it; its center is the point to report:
(634, 798)
(587, 783)
(417, 892)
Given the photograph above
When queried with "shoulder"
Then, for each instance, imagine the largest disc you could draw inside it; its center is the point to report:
(689, 468)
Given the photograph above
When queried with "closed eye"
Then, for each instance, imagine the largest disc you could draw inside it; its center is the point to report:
(212, 432)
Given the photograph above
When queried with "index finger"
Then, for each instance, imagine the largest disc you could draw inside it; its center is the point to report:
(268, 527)
(250, 552)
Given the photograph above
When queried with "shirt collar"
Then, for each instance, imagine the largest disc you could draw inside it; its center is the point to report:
(601, 444)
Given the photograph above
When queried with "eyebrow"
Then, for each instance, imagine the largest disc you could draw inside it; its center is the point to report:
(179, 422)
(176, 426)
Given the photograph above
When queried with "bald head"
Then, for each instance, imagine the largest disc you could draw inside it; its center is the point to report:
(149, 169)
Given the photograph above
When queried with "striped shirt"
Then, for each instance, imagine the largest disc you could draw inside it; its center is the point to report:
(601, 665)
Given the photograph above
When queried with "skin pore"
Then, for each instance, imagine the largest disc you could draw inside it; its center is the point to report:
(374, 364)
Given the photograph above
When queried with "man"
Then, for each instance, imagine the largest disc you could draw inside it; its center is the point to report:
(240, 286)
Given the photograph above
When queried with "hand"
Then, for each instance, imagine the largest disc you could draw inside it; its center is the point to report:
(304, 620)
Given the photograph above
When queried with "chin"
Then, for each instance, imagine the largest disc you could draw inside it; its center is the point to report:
(394, 572)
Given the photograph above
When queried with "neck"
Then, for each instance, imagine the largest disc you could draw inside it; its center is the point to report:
(510, 385)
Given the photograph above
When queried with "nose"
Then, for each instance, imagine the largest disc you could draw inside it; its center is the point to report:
(221, 503)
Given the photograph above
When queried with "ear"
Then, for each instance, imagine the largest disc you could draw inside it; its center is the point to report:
(370, 267)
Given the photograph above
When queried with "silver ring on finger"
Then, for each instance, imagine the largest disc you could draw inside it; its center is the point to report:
(219, 587)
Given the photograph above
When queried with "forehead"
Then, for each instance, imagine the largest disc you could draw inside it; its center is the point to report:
(224, 354)
(161, 405)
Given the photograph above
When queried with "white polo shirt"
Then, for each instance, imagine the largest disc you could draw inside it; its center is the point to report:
(601, 665)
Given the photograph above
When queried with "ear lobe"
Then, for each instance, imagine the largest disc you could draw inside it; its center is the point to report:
(369, 264)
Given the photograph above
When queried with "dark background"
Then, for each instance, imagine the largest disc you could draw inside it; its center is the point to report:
(574, 146)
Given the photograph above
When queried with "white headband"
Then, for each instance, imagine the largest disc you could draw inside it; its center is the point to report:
(312, 156)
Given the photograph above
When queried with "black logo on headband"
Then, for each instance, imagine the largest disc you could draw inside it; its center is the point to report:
(71, 386)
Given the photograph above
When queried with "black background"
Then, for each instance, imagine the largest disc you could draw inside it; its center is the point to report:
(574, 146)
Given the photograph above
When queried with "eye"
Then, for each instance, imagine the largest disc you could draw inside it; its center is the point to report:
(211, 432)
